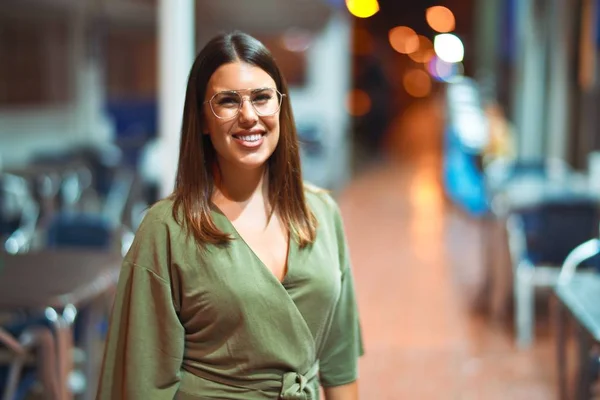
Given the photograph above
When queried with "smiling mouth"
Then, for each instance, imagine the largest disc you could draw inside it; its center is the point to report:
(255, 137)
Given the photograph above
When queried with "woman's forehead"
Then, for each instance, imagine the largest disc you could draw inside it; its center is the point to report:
(239, 76)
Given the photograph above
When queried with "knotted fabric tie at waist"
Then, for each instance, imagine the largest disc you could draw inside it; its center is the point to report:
(296, 386)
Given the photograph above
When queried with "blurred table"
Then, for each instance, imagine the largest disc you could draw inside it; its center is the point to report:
(580, 299)
(57, 282)
(528, 191)
(518, 194)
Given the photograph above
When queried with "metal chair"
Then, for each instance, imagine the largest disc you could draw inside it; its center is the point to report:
(541, 237)
(500, 174)
(571, 298)
(509, 184)
(99, 231)
(18, 214)
(32, 338)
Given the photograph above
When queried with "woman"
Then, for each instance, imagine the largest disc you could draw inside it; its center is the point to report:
(238, 286)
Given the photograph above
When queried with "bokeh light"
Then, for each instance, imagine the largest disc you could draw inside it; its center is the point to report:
(440, 19)
(362, 8)
(425, 51)
(404, 39)
(444, 71)
(449, 48)
(417, 83)
(358, 103)
(297, 40)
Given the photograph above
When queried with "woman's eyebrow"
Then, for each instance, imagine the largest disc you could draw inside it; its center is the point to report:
(260, 89)
(231, 91)
(251, 90)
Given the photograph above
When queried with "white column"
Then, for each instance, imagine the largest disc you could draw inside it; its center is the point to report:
(176, 54)
(90, 123)
(560, 94)
(487, 26)
(529, 88)
(330, 80)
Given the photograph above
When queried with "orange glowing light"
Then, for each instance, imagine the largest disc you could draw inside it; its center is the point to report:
(403, 39)
(440, 19)
(358, 103)
(425, 51)
(417, 83)
(362, 8)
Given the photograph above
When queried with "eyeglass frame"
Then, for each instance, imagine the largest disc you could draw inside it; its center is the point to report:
(243, 100)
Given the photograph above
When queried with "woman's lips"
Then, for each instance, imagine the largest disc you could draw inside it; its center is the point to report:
(250, 139)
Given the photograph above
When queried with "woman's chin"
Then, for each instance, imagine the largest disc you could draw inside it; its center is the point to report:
(250, 162)
(247, 165)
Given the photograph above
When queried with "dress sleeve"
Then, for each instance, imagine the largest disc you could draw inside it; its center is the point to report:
(145, 342)
(338, 363)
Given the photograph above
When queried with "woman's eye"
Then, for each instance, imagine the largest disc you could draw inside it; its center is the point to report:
(261, 98)
(228, 102)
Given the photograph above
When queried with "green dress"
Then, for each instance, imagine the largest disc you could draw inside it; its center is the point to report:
(218, 324)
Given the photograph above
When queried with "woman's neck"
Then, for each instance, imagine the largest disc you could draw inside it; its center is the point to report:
(242, 186)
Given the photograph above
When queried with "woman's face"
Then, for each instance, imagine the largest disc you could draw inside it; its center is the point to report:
(247, 139)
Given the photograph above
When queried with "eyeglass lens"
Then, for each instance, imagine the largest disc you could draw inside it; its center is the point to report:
(228, 104)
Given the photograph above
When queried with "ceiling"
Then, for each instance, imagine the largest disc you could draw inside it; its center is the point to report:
(263, 16)
(257, 16)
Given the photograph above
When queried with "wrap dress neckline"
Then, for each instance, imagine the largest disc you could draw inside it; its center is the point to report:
(294, 385)
(291, 248)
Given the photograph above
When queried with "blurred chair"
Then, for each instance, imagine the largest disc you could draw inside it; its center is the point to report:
(46, 187)
(17, 377)
(576, 257)
(103, 161)
(18, 214)
(540, 238)
(75, 182)
(512, 184)
(500, 174)
(100, 231)
(87, 230)
(117, 198)
(75, 229)
(86, 174)
(579, 294)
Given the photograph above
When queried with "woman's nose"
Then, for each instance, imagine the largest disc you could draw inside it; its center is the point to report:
(247, 112)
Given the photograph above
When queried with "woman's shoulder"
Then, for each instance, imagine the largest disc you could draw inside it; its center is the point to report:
(158, 215)
(326, 211)
(320, 200)
(161, 211)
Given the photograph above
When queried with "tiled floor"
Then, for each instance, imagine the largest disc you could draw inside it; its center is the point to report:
(417, 263)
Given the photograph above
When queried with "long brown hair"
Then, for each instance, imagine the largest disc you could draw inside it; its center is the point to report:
(194, 183)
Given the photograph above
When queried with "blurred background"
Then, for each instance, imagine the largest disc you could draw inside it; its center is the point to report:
(460, 138)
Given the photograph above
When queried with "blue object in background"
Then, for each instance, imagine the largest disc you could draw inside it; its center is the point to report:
(134, 117)
(597, 24)
(463, 179)
(136, 122)
(508, 26)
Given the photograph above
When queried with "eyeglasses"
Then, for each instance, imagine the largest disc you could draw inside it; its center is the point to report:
(227, 104)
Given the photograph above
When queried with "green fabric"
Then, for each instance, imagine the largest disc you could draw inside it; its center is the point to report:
(188, 324)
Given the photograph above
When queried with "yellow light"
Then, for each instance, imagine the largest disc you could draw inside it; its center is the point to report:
(440, 19)
(362, 8)
(403, 39)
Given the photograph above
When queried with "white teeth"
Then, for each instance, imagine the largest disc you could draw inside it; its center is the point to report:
(250, 138)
